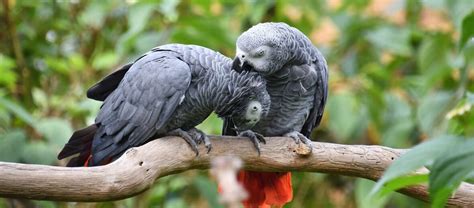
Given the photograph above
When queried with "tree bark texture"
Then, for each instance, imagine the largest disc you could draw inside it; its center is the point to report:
(139, 168)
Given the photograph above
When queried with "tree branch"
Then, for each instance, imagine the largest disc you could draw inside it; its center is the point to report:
(139, 167)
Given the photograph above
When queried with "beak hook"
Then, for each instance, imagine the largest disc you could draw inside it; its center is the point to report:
(242, 60)
(237, 64)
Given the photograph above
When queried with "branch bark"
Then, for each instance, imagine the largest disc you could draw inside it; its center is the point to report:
(139, 167)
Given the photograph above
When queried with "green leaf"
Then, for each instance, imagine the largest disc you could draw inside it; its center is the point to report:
(8, 76)
(45, 204)
(94, 15)
(403, 181)
(139, 16)
(177, 183)
(38, 153)
(208, 189)
(258, 9)
(77, 62)
(40, 97)
(362, 197)
(10, 145)
(458, 9)
(398, 122)
(433, 59)
(157, 193)
(421, 155)
(19, 111)
(394, 40)
(431, 112)
(58, 65)
(57, 131)
(449, 171)
(168, 8)
(470, 97)
(175, 203)
(105, 60)
(344, 111)
(212, 125)
(467, 32)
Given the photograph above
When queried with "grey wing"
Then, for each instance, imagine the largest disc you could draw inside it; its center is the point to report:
(141, 105)
(320, 96)
(102, 89)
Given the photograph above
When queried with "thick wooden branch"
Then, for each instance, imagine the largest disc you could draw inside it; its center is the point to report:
(138, 169)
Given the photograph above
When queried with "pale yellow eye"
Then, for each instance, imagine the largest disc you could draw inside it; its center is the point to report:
(260, 53)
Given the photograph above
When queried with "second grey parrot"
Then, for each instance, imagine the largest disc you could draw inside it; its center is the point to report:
(297, 81)
(167, 91)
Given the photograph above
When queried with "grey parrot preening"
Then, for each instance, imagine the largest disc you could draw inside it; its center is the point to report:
(167, 91)
(297, 81)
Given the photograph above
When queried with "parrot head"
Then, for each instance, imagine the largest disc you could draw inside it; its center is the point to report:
(263, 48)
(250, 103)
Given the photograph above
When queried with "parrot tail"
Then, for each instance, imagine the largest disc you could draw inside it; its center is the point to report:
(80, 142)
(266, 189)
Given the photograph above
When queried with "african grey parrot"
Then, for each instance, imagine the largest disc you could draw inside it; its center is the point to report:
(297, 81)
(167, 91)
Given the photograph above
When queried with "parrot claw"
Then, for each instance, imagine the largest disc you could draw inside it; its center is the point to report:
(188, 137)
(201, 137)
(255, 137)
(298, 137)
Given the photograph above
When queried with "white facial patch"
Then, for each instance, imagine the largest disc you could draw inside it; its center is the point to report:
(254, 112)
(241, 55)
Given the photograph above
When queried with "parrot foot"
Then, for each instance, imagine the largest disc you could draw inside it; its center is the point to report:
(187, 137)
(200, 137)
(298, 137)
(255, 137)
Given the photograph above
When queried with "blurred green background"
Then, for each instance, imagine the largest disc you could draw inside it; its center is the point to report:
(397, 78)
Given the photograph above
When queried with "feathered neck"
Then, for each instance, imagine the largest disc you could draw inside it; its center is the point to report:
(229, 87)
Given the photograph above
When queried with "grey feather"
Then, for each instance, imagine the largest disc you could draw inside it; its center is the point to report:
(296, 74)
(172, 86)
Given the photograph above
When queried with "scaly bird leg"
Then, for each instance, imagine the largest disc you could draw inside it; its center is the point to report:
(187, 137)
(201, 137)
(255, 137)
(298, 137)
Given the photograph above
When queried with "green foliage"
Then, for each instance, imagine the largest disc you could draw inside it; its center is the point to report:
(362, 197)
(10, 142)
(449, 160)
(38, 153)
(17, 110)
(56, 131)
(467, 30)
(8, 77)
(423, 154)
(449, 171)
(401, 72)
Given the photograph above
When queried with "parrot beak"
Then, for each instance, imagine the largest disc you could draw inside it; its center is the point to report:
(237, 64)
(240, 65)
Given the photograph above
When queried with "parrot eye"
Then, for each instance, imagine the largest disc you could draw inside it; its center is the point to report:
(260, 53)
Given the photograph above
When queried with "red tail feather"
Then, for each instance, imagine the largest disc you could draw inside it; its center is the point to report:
(106, 161)
(266, 189)
(87, 161)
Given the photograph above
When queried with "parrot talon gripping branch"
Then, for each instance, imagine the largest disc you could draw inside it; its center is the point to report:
(297, 81)
(140, 167)
(274, 92)
(190, 139)
(255, 138)
(167, 91)
(300, 138)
